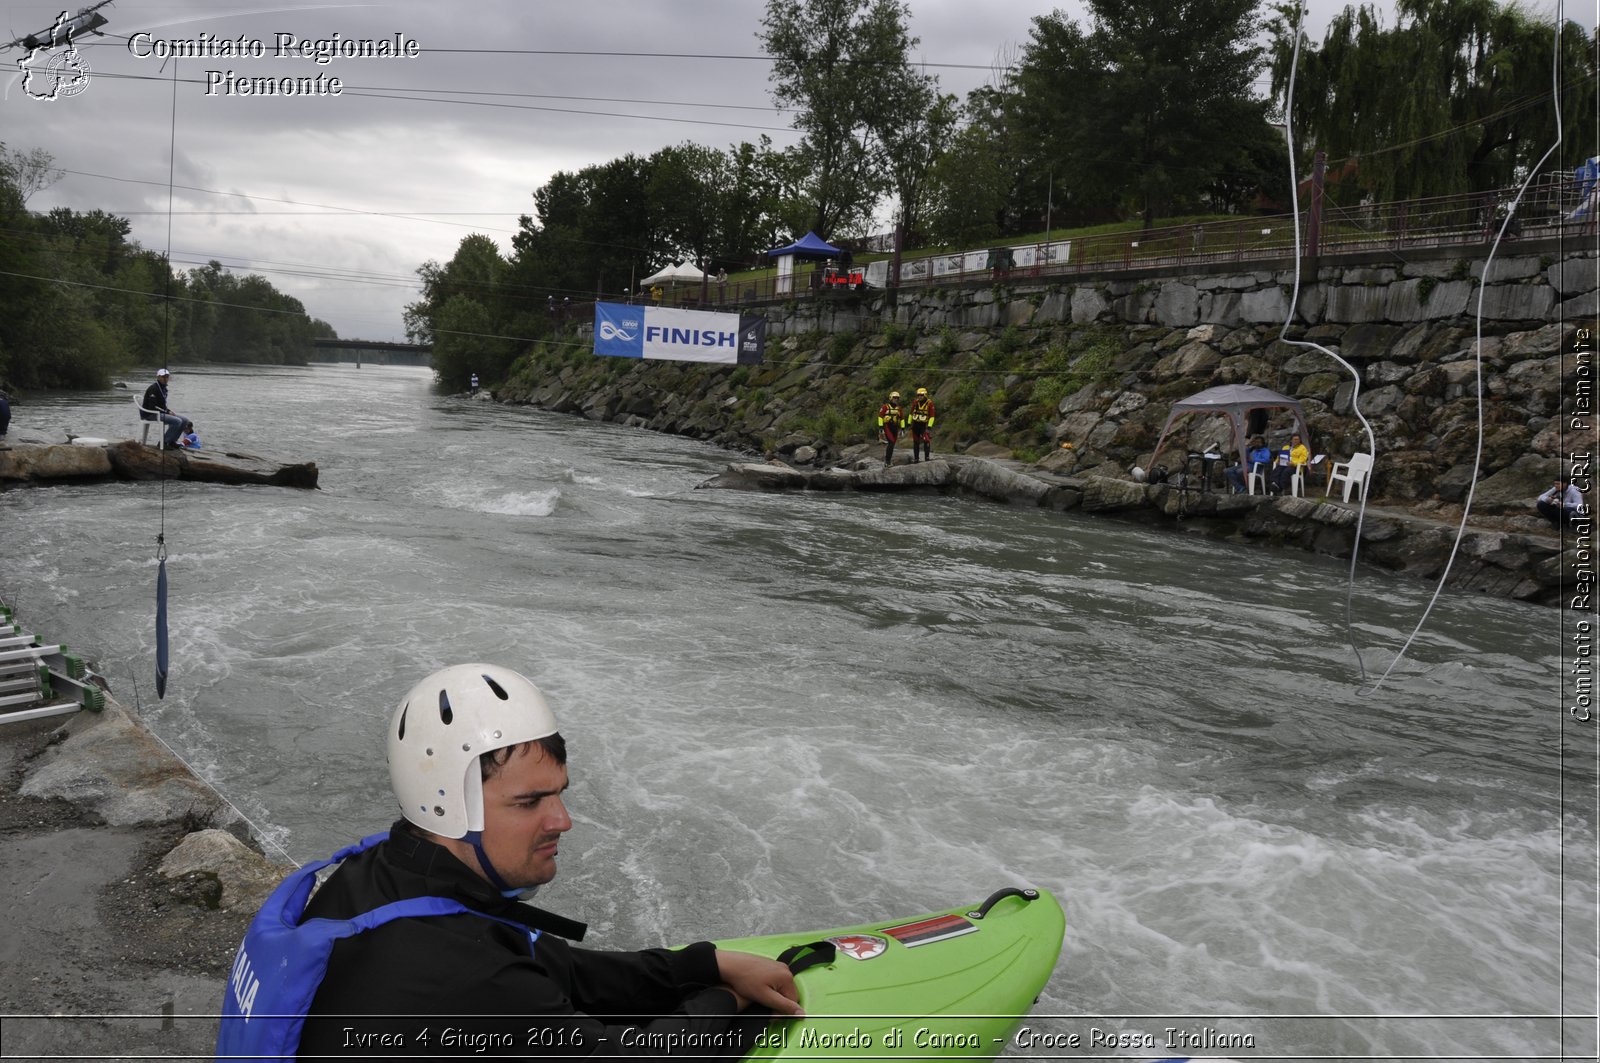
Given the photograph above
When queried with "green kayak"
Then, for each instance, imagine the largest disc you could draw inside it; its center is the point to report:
(952, 983)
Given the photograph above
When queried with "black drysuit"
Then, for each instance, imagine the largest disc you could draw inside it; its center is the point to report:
(464, 985)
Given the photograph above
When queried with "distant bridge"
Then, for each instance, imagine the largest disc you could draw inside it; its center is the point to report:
(374, 352)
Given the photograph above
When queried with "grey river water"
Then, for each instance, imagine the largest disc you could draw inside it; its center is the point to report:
(789, 712)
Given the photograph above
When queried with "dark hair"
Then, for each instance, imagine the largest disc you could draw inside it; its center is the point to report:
(554, 746)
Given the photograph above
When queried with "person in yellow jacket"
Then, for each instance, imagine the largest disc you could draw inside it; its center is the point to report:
(920, 418)
(1294, 455)
(891, 418)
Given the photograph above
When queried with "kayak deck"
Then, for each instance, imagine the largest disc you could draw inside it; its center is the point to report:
(951, 983)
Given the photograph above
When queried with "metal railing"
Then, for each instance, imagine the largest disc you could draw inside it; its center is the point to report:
(1463, 220)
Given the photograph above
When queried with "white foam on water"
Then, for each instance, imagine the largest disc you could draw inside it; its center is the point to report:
(481, 499)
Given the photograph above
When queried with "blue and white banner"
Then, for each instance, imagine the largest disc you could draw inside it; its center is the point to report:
(623, 330)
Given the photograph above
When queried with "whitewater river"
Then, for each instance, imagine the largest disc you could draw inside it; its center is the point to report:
(789, 712)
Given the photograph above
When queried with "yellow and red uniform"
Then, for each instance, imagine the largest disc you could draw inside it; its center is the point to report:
(920, 418)
(891, 418)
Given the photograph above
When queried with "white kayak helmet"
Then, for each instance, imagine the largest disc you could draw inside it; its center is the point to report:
(443, 726)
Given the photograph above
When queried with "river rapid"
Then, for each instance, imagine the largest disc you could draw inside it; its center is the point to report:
(797, 711)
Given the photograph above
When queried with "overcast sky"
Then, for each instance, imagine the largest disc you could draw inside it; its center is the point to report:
(338, 199)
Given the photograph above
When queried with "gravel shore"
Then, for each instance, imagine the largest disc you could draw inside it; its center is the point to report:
(103, 956)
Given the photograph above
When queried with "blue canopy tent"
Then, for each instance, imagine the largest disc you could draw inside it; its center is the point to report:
(810, 246)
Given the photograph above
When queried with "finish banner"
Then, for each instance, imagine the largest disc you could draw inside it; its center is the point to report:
(623, 330)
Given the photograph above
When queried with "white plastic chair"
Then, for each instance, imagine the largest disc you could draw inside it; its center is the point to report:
(1258, 476)
(158, 424)
(1297, 483)
(1352, 473)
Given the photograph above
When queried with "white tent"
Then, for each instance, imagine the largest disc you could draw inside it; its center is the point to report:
(677, 273)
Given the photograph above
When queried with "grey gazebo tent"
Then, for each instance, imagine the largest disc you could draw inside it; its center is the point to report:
(1235, 402)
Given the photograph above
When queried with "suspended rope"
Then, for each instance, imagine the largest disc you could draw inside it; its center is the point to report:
(1288, 318)
(1355, 396)
(1499, 237)
(262, 835)
(162, 662)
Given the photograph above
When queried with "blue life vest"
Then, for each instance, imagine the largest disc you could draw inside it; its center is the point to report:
(283, 960)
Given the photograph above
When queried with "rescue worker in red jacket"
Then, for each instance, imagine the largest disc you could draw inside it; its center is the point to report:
(891, 418)
(920, 418)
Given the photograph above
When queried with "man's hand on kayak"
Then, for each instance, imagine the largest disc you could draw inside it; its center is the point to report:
(757, 980)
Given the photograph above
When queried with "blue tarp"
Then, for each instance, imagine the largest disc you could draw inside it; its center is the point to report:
(808, 246)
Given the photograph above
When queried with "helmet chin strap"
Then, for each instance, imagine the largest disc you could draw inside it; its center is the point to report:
(475, 839)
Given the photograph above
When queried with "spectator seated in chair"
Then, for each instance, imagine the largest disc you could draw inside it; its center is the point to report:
(1258, 454)
(1291, 459)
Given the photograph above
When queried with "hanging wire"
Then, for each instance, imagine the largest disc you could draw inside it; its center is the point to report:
(1288, 318)
(1477, 460)
(162, 658)
(260, 834)
(1483, 285)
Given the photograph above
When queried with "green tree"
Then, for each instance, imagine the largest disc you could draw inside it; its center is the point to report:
(914, 148)
(464, 342)
(1144, 111)
(844, 66)
(1476, 110)
(971, 189)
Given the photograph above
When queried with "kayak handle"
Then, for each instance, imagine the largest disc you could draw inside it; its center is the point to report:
(812, 954)
(999, 895)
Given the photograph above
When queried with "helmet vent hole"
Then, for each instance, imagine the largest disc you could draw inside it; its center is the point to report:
(446, 714)
(401, 735)
(499, 691)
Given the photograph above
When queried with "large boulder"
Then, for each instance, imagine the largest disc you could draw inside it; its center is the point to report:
(134, 461)
(1518, 484)
(245, 878)
(754, 476)
(57, 462)
(111, 765)
(1104, 494)
(985, 449)
(999, 483)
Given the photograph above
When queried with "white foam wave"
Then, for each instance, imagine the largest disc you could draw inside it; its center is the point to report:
(507, 503)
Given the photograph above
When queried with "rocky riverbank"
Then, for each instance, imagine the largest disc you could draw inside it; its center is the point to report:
(1097, 363)
(1529, 567)
(127, 891)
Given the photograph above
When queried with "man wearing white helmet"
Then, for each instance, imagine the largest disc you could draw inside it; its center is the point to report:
(418, 943)
(155, 408)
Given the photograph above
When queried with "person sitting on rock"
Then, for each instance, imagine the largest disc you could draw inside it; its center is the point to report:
(190, 440)
(891, 418)
(1562, 503)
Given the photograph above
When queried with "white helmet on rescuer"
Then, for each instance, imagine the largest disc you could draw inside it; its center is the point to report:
(443, 726)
